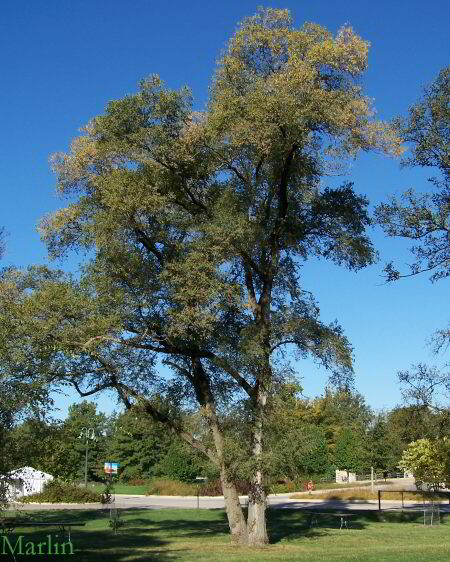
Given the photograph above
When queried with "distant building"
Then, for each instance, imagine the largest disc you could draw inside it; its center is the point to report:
(26, 481)
(345, 476)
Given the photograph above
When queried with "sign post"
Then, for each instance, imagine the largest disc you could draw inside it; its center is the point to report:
(199, 480)
(110, 468)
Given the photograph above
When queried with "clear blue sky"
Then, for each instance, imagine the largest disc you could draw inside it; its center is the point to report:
(62, 61)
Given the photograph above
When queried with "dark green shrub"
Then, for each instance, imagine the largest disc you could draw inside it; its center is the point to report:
(129, 473)
(180, 463)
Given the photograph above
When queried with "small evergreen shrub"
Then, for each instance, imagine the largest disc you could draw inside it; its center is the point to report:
(115, 522)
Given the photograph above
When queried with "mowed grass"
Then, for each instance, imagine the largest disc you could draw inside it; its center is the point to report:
(121, 489)
(193, 535)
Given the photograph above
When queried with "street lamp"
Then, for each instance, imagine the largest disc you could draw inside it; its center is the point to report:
(87, 433)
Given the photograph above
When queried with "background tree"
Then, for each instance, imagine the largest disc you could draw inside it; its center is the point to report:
(384, 446)
(199, 223)
(7, 411)
(429, 461)
(410, 423)
(36, 440)
(19, 400)
(56, 447)
(428, 388)
(69, 460)
(351, 452)
(340, 409)
(146, 449)
(138, 443)
(424, 218)
(296, 448)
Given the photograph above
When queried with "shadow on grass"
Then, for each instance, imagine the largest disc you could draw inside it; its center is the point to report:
(312, 522)
(145, 534)
(160, 534)
(96, 545)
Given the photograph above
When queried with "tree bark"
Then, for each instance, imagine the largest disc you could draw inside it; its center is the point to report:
(235, 514)
(256, 521)
(202, 387)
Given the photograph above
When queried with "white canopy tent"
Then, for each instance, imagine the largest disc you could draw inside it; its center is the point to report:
(26, 481)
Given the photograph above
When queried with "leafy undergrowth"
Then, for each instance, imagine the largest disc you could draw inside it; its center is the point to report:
(167, 487)
(57, 491)
(197, 535)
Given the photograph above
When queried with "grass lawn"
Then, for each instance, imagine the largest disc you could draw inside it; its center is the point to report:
(121, 488)
(193, 535)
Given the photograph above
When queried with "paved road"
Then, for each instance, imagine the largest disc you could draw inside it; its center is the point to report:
(279, 501)
(274, 500)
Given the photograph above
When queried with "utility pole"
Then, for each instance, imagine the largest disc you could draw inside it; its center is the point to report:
(87, 433)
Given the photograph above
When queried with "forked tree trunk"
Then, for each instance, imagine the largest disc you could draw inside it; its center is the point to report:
(201, 383)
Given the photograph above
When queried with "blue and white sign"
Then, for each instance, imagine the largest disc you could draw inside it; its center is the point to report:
(111, 467)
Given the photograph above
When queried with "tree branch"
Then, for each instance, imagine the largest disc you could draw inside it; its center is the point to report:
(149, 246)
(174, 425)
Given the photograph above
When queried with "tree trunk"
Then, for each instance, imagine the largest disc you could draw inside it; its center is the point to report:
(235, 515)
(256, 521)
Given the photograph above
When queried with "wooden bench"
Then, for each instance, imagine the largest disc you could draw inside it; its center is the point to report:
(9, 524)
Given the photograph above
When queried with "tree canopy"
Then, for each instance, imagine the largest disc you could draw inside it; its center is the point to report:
(195, 226)
(429, 461)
